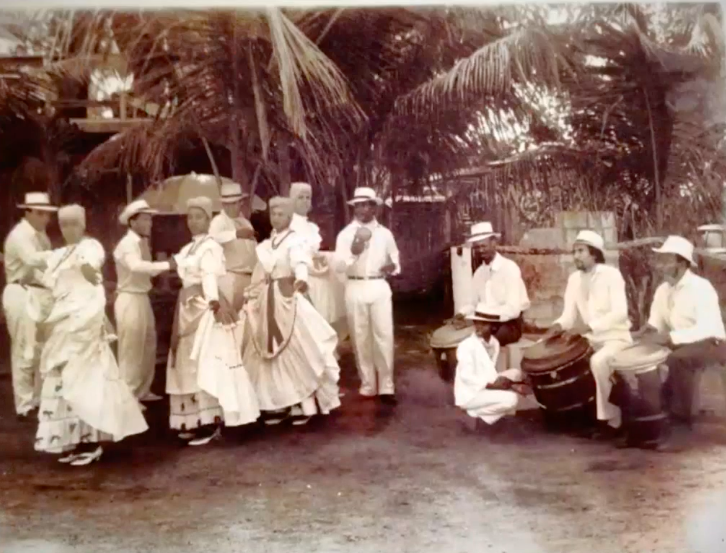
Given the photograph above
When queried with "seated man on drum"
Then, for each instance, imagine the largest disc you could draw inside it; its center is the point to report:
(595, 295)
(498, 284)
(685, 317)
(478, 388)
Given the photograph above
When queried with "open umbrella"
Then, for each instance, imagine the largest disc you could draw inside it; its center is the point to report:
(170, 196)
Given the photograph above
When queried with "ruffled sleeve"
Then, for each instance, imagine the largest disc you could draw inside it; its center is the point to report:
(299, 256)
(211, 265)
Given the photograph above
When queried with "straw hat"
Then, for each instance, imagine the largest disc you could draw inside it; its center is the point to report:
(365, 194)
(591, 238)
(231, 192)
(481, 231)
(39, 201)
(133, 209)
(677, 245)
(481, 315)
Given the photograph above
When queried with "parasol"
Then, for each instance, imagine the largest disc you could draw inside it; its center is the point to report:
(170, 196)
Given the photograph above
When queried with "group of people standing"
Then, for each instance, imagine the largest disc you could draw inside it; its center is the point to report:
(252, 336)
(685, 317)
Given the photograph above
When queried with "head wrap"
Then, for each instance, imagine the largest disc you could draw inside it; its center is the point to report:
(296, 188)
(285, 204)
(201, 202)
(73, 212)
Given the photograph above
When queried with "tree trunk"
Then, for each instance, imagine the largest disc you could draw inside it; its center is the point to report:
(283, 156)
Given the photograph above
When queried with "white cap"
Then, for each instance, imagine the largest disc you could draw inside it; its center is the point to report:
(481, 231)
(39, 201)
(133, 209)
(231, 192)
(365, 194)
(591, 238)
(677, 245)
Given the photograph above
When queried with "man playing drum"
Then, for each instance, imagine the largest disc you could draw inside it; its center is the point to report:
(498, 284)
(685, 317)
(595, 294)
(478, 388)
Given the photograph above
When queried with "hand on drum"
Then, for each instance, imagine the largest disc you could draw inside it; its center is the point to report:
(501, 383)
(657, 338)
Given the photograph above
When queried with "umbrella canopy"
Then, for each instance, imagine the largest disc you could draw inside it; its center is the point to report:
(170, 196)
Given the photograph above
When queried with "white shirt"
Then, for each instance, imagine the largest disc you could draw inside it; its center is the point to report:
(308, 230)
(285, 254)
(475, 368)
(26, 249)
(239, 254)
(376, 254)
(689, 310)
(201, 262)
(598, 297)
(134, 267)
(500, 287)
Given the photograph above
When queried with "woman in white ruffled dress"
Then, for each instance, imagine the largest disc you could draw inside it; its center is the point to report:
(206, 381)
(84, 399)
(289, 348)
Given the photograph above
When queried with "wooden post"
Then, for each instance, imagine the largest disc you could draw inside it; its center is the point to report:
(122, 106)
(129, 188)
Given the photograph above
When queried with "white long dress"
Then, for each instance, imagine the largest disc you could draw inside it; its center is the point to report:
(205, 378)
(84, 398)
(289, 348)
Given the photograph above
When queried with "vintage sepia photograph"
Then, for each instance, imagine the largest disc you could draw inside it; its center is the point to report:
(363, 278)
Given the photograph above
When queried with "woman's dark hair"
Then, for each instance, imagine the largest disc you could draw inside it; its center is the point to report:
(597, 254)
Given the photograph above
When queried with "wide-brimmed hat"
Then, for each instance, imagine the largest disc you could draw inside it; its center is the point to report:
(231, 192)
(365, 194)
(483, 313)
(133, 209)
(481, 231)
(677, 245)
(591, 238)
(39, 201)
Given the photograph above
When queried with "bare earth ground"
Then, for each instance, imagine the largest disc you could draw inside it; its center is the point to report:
(415, 481)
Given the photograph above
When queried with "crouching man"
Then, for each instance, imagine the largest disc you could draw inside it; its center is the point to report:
(478, 388)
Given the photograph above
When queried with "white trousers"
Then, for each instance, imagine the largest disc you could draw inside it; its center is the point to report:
(492, 405)
(602, 372)
(369, 310)
(24, 349)
(136, 331)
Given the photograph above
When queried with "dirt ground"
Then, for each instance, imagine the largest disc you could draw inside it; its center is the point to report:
(360, 481)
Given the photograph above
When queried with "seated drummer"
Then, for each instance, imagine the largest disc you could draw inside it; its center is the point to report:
(498, 284)
(685, 316)
(596, 293)
(478, 388)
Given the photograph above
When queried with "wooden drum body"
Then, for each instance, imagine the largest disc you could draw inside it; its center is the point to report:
(638, 392)
(558, 370)
(444, 342)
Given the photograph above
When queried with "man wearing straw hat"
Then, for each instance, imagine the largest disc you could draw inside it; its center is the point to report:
(685, 316)
(498, 284)
(235, 233)
(478, 388)
(595, 297)
(135, 323)
(27, 249)
(367, 254)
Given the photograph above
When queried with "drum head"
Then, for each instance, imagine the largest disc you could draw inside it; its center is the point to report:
(639, 357)
(448, 336)
(554, 353)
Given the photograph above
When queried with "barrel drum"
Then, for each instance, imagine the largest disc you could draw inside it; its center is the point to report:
(444, 342)
(558, 370)
(639, 393)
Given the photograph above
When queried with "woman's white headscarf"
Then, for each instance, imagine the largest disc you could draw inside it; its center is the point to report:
(296, 188)
(73, 212)
(201, 202)
(285, 204)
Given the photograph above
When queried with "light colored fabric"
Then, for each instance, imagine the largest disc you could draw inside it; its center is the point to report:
(475, 369)
(591, 238)
(378, 250)
(232, 286)
(201, 262)
(289, 347)
(283, 203)
(24, 347)
(602, 372)
(689, 310)
(369, 308)
(308, 230)
(240, 256)
(500, 288)
(204, 363)
(25, 250)
(77, 344)
(136, 331)
(677, 245)
(297, 188)
(598, 298)
(203, 203)
(72, 212)
(134, 268)
(192, 411)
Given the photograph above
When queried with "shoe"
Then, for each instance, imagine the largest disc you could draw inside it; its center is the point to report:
(300, 420)
(151, 397)
(206, 439)
(70, 457)
(388, 399)
(185, 436)
(84, 459)
(276, 417)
